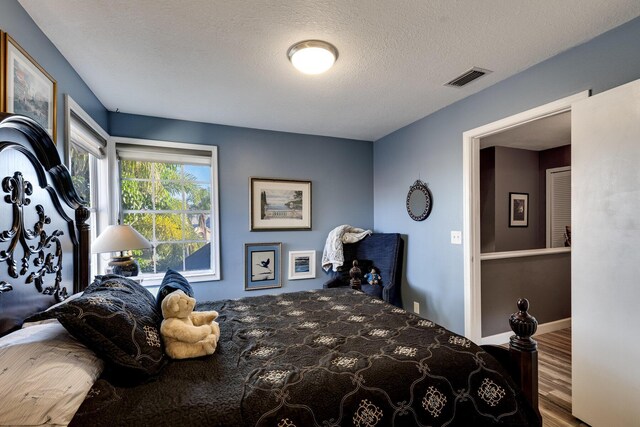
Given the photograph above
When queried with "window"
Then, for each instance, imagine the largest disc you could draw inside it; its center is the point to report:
(168, 192)
(86, 157)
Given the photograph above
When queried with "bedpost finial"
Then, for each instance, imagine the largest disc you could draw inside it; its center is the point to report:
(82, 215)
(355, 273)
(524, 325)
(523, 304)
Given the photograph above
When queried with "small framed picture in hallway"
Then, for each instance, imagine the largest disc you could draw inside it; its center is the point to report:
(518, 209)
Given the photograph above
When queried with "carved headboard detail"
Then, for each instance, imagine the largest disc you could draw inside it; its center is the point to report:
(44, 235)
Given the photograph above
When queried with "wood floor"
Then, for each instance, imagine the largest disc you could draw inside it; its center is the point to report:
(554, 365)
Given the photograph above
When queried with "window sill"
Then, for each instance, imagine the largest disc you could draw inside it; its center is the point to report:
(149, 280)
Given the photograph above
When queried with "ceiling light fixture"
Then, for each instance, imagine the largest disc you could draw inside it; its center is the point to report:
(312, 56)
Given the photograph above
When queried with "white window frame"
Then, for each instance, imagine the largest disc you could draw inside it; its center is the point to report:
(99, 174)
(154, 279)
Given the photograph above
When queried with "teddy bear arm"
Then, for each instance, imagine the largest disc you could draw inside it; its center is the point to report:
(176, 329)
(203, 317)
(196, 333)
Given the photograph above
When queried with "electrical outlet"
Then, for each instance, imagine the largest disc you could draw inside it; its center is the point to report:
(456, 237)
(416, 307)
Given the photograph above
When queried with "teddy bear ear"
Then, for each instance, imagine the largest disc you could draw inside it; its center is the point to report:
(169, 302)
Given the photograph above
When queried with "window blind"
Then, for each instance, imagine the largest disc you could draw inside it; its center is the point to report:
(83, 136)
(559, 206)
(162, 154)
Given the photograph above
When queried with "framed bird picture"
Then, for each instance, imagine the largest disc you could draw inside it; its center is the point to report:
(262, 263)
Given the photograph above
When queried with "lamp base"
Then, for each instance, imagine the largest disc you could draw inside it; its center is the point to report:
(124, 266)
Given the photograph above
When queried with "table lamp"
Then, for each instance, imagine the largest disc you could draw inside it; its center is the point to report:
(121, 238)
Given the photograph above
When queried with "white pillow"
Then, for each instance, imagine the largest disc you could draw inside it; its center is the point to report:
(45, 375)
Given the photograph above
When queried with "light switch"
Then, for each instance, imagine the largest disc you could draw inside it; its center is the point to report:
(456, 237)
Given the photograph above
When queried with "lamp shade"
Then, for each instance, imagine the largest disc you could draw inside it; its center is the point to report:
(117, 238)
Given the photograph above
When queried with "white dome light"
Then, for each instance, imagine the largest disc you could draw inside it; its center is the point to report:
(312, 56)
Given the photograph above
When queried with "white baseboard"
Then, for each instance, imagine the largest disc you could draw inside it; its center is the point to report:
(544, 328)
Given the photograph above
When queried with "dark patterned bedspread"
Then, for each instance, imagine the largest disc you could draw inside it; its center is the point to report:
(331, 357)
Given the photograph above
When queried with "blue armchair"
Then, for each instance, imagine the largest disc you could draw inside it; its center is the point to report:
(384, 251)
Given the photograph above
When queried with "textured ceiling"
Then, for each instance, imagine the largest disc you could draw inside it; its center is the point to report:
(225, 61)
(541, 134)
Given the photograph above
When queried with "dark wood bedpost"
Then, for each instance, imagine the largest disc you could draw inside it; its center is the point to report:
(83, 264)
(524, 352)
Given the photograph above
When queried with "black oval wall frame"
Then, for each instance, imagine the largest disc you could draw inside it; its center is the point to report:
(419, 201)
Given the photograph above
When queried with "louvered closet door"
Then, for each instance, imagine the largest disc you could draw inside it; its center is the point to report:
(559, 205)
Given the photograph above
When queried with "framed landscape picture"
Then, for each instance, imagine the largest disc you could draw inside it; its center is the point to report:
(280, 204)
(302, 265)
(518, 209)
(27, 88)
(262, 266)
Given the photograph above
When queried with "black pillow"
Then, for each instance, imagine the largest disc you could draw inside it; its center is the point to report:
(172, 281)
(117, 318)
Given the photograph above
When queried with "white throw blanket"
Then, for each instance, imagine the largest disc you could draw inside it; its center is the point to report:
(333, 254)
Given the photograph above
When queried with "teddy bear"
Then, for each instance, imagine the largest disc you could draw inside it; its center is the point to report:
(187, 333)
(373, 278)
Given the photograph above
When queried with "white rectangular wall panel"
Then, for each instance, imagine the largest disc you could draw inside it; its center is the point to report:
(606, 257)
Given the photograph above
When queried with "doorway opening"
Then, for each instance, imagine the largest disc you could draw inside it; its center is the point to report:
(516, 207)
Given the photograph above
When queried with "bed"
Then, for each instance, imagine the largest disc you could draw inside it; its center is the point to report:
(328, 357)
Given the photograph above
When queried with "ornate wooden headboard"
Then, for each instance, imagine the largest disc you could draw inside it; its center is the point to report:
(44, 236)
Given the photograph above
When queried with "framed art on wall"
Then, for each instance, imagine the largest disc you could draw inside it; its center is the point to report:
(279, 204)
(27, 88)
(518, 209)
(302, 265)
(262, 266)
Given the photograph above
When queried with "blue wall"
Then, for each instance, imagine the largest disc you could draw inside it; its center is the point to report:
(345, 190)
(432, 149)
(15, 21)
(342, 188)
(339, 169)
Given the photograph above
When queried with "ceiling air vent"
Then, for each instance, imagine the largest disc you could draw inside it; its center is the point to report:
(468, 77)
